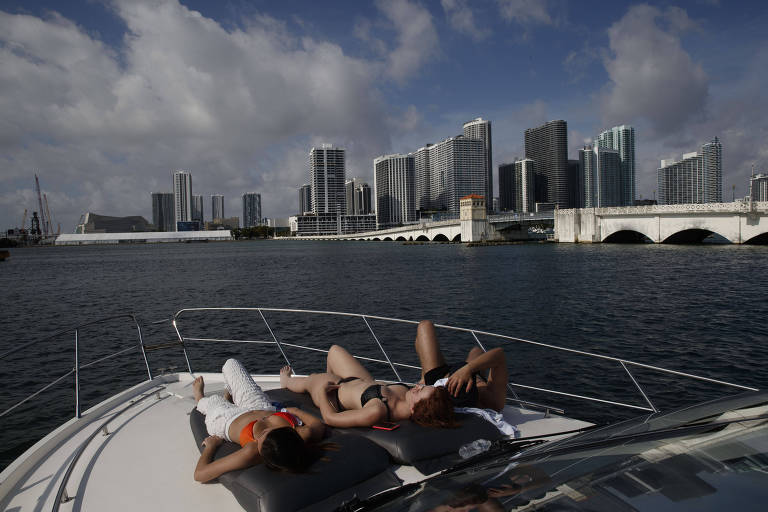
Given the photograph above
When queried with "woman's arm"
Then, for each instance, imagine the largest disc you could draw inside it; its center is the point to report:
(313, 428)
(463, 377)
(207, 469)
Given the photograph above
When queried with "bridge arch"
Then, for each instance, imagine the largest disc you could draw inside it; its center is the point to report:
(422, 238)
(400, 239)
(627, 236)
(376, 239)
(688, 236)
(457, 238)
(440, 237)
(410, 238)
(387, 238)
(761, 239)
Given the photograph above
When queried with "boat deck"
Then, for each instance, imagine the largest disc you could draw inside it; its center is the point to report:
(147, 459)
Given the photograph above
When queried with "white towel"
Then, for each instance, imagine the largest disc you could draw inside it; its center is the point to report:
(494, 417)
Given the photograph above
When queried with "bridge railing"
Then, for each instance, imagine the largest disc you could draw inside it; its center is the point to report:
(734, 207)
(521, 217)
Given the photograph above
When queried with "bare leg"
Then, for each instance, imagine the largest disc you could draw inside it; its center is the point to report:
(199, 387)
(427, 348)
(290, 381)
(342, 363)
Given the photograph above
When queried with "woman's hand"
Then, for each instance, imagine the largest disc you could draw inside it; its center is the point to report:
(212, 442)
(461, 379)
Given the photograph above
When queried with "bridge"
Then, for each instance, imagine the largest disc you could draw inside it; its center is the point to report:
(473, 225)
(740, 222)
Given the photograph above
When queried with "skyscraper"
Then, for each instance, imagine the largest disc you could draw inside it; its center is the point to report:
(197, 208)
(697, 178)
(394, 186)
(251, 209)
(480, 129)
(217, 206)
(507, 187)
(758, 187)
(447, 171)
(305, 199)
(622, 139)
(548, 146)
(349, 194)
(525, 171)
(162, 211)
(363, 204)
(182, 197)
(602, 177)
(327, 172)
(712, 156)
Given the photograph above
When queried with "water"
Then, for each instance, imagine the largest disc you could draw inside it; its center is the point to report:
(700, 309)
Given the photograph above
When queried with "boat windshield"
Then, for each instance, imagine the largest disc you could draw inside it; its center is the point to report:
(718, 458)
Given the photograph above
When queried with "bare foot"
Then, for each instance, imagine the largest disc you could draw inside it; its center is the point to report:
(285, 375)
(199, 386)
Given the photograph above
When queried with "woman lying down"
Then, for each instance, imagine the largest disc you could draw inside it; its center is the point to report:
(283, 440)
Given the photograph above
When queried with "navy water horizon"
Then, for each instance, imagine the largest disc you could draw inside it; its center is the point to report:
(698, 308)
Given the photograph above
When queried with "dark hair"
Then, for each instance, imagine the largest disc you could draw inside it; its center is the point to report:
(435, 411)
(283, 449)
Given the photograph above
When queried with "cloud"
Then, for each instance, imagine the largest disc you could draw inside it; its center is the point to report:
(526, 11)
(417, 39)
(106, 127)
(651, 76)
(462, 19)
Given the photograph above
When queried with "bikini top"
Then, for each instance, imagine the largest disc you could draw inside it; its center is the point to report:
(374, 391)
(246, 435)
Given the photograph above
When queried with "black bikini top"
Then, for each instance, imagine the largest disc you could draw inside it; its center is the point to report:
(374, 391)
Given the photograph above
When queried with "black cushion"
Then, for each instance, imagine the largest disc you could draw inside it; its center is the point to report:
(358, 467)
(410, 443)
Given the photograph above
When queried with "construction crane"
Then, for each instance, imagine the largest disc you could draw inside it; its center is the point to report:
(40, 205)
(48, 219)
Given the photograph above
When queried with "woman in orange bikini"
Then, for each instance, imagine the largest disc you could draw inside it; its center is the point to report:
(278, 438)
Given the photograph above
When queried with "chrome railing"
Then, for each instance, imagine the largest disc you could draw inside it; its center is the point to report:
(625, 364)
(77, 366)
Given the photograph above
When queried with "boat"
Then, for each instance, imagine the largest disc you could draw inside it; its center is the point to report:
(137, 449)
(4, 255)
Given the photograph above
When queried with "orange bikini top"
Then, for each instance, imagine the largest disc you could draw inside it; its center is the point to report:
(246, 435)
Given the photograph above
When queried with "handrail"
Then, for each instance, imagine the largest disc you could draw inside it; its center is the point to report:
(77, 366)
(622, 362)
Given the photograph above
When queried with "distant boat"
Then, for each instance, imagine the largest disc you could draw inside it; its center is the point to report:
(4, 254)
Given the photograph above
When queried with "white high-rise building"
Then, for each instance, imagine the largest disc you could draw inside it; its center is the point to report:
(758, 186)
(251, 209)
(182, 197)
(327, 173)
(697, 178)
(524, 186)
(447, 171)
(217, 206)
(394, 190)
(480, 129)
(622, 139)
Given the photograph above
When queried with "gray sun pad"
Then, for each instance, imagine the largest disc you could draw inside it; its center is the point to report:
(358, 467)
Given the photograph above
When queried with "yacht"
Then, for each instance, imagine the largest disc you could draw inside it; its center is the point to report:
(137, 449)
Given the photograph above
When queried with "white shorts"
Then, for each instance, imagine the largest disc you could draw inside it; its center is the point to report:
(246, 395)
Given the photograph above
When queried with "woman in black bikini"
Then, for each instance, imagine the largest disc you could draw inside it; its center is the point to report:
(348, 396)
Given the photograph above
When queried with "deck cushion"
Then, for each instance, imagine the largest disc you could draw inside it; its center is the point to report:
(329, 481)
(410, 443)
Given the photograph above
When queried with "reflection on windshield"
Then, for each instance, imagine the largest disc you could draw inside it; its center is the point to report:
(722, 468)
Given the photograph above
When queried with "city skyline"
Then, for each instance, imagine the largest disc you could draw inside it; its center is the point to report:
(373, 77)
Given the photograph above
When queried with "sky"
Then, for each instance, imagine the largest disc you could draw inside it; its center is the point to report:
(104, 99)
